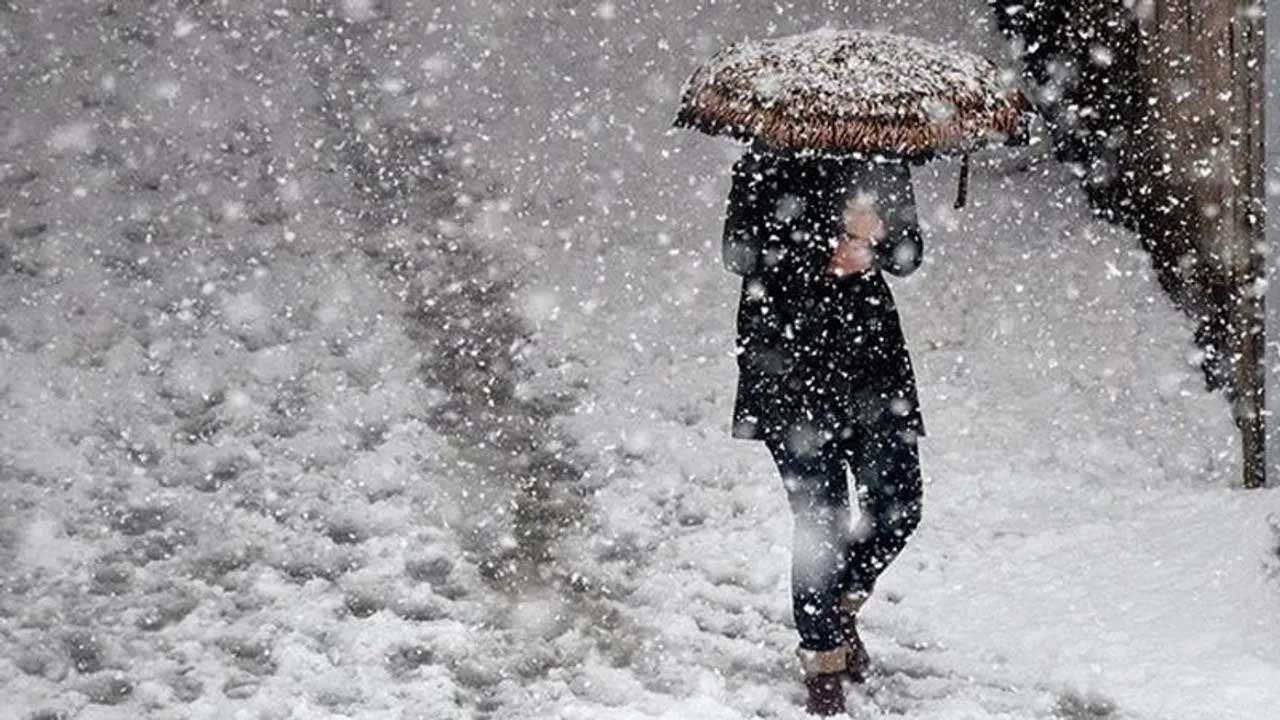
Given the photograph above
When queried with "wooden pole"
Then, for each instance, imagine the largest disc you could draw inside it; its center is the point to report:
(1248, 261)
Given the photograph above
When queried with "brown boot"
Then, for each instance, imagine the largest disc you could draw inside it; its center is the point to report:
(859, 662)
(822, 672)
(826, 695)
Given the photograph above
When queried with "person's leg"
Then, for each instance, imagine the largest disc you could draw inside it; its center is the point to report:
(818, 493)
(886, 464)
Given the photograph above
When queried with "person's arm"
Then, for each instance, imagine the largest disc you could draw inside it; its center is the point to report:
(901, 249)
(742, 247)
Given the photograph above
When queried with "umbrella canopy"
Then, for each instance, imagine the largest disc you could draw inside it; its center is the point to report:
(853, 91)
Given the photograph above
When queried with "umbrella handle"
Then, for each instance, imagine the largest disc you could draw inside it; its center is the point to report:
(962, 191)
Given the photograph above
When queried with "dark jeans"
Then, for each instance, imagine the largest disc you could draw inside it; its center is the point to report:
(832, 551)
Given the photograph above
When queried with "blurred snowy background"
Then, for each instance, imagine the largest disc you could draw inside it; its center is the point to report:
(373, 359)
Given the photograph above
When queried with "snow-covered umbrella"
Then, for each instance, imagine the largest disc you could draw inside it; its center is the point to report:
(857, 92)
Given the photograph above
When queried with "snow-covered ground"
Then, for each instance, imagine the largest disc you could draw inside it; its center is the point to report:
(277, 371)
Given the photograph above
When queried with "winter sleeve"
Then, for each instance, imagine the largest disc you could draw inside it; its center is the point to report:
(901, 249)
(744, 226)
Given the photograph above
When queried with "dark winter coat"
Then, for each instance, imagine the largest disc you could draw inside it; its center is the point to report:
(818, 353)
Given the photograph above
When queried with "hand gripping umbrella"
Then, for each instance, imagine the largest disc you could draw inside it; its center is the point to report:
(856, 92)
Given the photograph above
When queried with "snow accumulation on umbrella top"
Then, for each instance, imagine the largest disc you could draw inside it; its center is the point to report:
(872, 73)
(853, 90)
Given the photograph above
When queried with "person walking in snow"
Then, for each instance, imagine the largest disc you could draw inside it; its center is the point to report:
(825, 380)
